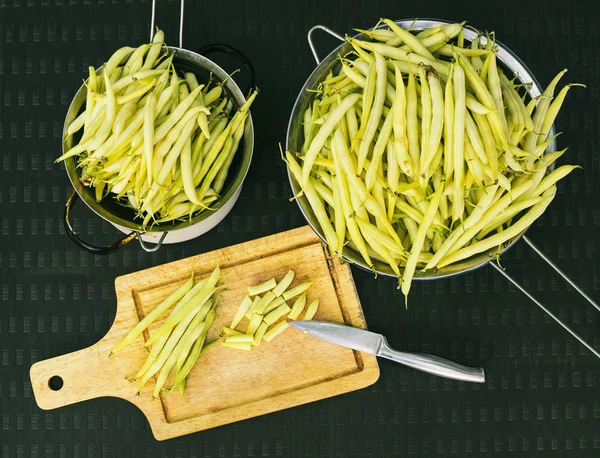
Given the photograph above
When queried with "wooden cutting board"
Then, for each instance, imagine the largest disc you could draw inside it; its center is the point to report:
(226, 385)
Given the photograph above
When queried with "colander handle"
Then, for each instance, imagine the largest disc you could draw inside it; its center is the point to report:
(225, 49)
(312, 45)
(540, 305)
(105, 249)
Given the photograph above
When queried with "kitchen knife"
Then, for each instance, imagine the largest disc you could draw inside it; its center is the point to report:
(375, 344)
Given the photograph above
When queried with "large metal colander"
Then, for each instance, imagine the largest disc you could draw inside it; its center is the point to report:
(509, 62)
(512, 66)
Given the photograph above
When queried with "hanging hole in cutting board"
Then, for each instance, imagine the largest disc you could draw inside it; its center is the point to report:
(55, 383)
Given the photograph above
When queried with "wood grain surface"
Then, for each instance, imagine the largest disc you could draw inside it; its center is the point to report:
(226, 385)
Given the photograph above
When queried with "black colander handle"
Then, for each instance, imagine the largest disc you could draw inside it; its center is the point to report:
(225, 49)
(103, 249)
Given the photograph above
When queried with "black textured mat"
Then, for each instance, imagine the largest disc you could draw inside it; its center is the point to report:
(542, 396)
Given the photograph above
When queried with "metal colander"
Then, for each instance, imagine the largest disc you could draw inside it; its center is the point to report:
(512, 66)
(123, 217)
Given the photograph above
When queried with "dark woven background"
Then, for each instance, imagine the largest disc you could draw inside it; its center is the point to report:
(542, 396)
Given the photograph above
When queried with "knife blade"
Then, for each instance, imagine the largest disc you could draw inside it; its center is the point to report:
(346, 336)
(376, 344)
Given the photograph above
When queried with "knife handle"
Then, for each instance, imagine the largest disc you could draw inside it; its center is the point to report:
(433, 364)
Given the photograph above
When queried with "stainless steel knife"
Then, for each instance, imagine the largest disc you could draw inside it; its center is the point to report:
(375, 344)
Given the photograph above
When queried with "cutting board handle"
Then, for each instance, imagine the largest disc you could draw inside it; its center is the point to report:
(72, 378)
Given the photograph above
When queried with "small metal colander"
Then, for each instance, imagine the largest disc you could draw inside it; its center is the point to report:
(123, 217)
